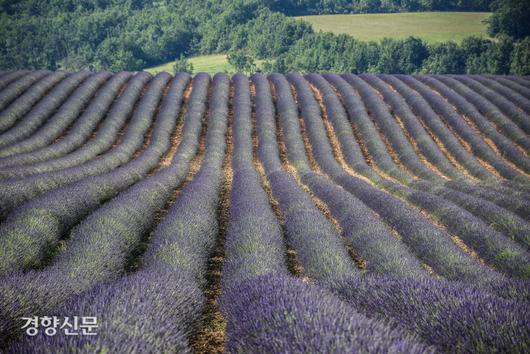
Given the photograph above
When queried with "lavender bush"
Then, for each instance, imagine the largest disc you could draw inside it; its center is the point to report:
(77, 133)
(41, 111)
(16, 88)
(106, 136)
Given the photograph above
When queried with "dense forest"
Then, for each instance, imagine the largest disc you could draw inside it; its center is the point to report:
(317, 7)
(131, 35)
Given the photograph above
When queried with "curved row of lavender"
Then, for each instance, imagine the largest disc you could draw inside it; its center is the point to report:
(81, 129)
(414, 303)
(410, 230)
(165, 294)
(267, 310)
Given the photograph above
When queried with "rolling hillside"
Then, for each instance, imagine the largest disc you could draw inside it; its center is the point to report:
(270, 214)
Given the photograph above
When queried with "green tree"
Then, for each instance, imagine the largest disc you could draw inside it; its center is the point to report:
(182, 65)
(401, 56)
(520, 58)
(484, 56)
(242, 61)
(445, 58)
(114, 55)
(510, 17)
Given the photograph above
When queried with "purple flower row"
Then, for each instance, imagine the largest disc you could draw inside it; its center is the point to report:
(370, 238)
(77, 133)
(506, 147)
(521, 80)
(422, 139)
(67, 113)
(492, 191)
(501, 219)
(518, 115)
(483, 113)
(453, 316)
(25, 102)
(478, 146)
(58, 210)
(16, 191)
(389, 128)
(317, 243)
(267, 311)
(342, 127)
(468, 227)
(55, 157)
(9, 93)
(11, 76)
(100, 246)
(279, 314)
(495, 216)
(509, 82)
(162, 303)
(504, 197)
(514, 96)
(42, 111)
(254, 242)
(357, 116)
(369, 135)
(428, 242)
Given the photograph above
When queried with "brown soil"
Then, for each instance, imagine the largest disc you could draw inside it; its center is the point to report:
(417, 150)
(492, 145)
(176, 137)
(210, 338)
(446, 153)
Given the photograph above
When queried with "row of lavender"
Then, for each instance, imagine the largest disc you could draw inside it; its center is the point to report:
(167, 288)
(366, 303)
(491, 218)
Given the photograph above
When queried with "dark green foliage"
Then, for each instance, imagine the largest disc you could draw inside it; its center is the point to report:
(271, 34)
(327, 52)
(446, 58)
(520, 58)
(324, 52)
(116, 35)
(120, 36)
(401, 56)
(510, 17)
(241, 61)
(182, 65)
(299, 7)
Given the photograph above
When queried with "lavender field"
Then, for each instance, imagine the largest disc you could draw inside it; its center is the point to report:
(317, 213)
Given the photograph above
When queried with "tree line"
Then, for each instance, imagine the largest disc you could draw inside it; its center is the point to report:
(325, 52)
(132, 34)
(318, 7)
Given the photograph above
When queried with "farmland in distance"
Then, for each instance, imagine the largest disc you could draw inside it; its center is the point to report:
(432, 27)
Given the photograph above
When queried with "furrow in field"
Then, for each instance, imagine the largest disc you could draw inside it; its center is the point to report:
(452, 217)
(23, 104)
(57, 98)
(108, 135)
(18, 87)
(516, 115)
(103, 242)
